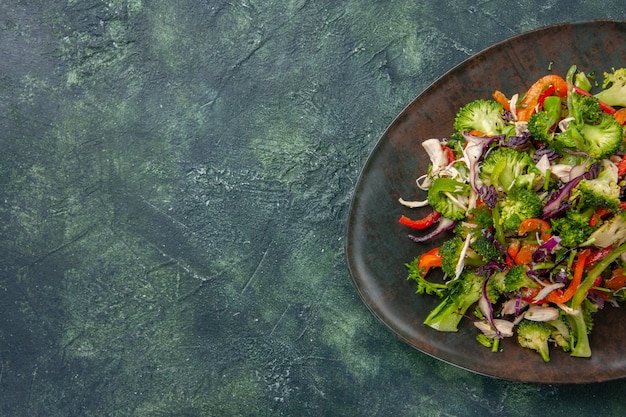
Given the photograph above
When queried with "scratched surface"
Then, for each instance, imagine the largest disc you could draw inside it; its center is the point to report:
(174, 183)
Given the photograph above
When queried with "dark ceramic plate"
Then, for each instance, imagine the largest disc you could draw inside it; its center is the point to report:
(377, 247)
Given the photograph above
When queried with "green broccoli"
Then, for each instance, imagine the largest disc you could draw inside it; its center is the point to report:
(560, 333)
(424, 286)
(603, 191)
(614, 85)
(602, 139)
(534, 335)
(463, 293)
(592, 131)
(541, 124)
(451, 251)
(495, 286)
(505, 168)
(485, 340)
(478, 219)
(449, 197)
(517, 278)
(481, 215)
(573, 228)
(512, 280)
(518, 205)
(485, 249)
(485, 116)
(585, 109)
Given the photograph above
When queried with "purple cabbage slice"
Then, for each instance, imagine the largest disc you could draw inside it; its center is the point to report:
(443, 225)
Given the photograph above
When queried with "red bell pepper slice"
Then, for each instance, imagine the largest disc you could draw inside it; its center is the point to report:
(422, 223)
(549, 91)
(530, 100)
(449, 153)
(559, 296)
(621, 166)
(598, 215)
(525, 254)
(597, 255)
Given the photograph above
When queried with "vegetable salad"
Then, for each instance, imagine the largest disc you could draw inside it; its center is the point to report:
(530, 190)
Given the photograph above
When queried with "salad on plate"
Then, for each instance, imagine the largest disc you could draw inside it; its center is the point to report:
(530, 190)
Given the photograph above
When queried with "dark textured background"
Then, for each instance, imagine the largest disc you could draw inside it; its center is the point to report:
(174, 184)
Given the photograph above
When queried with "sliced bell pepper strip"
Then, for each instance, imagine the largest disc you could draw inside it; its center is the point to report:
(531, 98)
(620, 116)
(596, 255)
(449, 153)
(621, 166)
(430, 259)
(525, 254)
(475, 132)
(617, 279)
(535, 225)
(422, 223)
(512, 252)
(547, 93)
(501, 98)
(595, 272)
(560, 296)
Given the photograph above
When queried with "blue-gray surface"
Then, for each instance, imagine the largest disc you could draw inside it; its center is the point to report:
(174, 184)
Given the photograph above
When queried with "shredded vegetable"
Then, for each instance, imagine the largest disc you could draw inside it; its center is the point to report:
(529, 191)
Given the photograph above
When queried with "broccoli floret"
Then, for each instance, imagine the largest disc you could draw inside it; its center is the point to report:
(478, 219)
(602, 139)
(485, 249)
(518, 205)
(534, 335)
(495, 286)
(479, 251)
(610, 232)
(481, 215)
(451, 251)
(541, 124)
(449, 197)
(512, 280)
(573, 228)
(560, 333)
(585, 109)
(463, 293)
(603, 191)
(614, 84)
(592, 131)
(485, 340)
(517, 278)
(485, 116)
(424, 286)
(505, 168)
